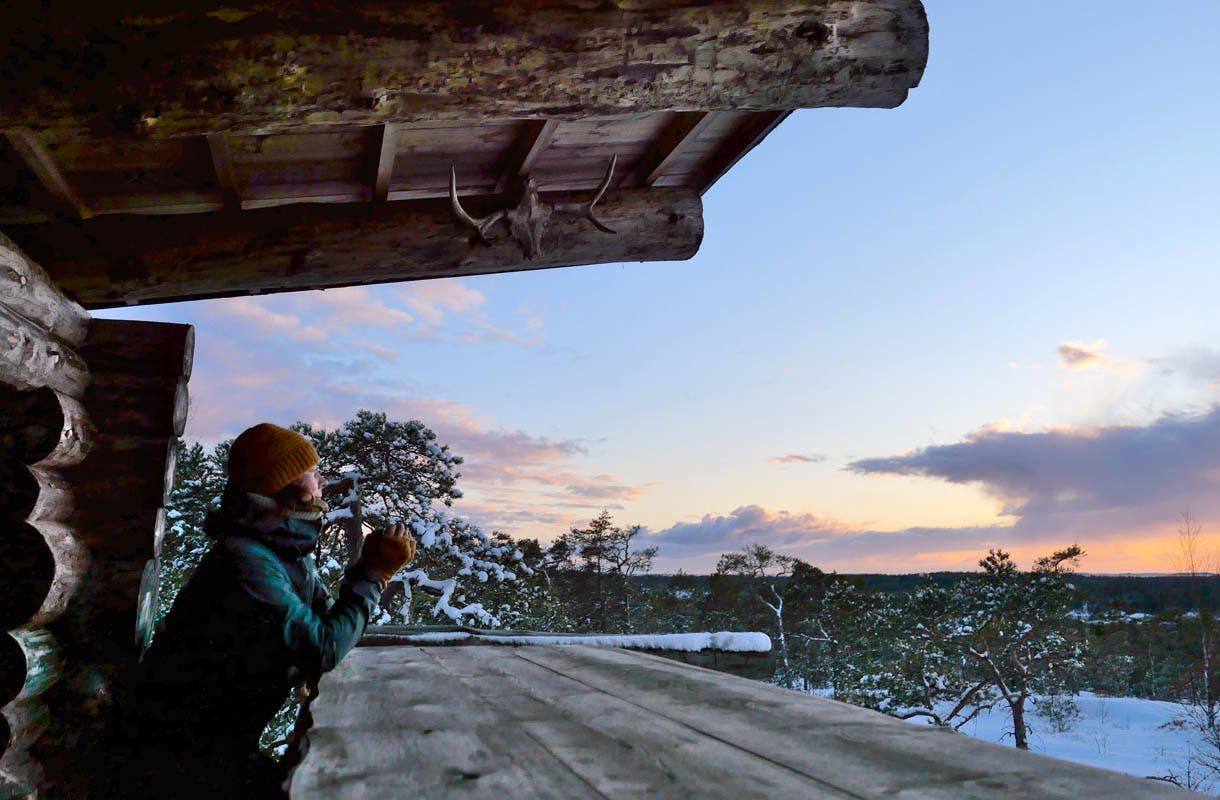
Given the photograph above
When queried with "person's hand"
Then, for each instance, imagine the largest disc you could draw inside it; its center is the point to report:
(387, 551)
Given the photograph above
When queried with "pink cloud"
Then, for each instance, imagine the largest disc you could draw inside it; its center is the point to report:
(260, 320)
(356, 305)
(431, 300)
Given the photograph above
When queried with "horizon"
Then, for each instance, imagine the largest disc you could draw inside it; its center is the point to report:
(910, 335)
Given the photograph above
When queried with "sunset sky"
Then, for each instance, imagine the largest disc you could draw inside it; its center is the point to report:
(990, 317)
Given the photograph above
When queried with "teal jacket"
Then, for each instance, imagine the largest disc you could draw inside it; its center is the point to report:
(253, 622)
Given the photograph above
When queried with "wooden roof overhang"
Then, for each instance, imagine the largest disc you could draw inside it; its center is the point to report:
(178, 151)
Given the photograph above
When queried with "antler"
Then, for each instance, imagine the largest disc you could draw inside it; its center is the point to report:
(585, 210)
(481, 224)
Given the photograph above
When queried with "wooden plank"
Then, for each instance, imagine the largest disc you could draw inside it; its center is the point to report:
(284, 149)
(39, 162)
(536, 138)
(112, 260)
(259, 68)
(158, 204)
(393, 727)
(80, 155)
(326, 193)
(226, 177)
(383, 171)
(748, 135)
(623, 749)
(861, 752)
(682, 128)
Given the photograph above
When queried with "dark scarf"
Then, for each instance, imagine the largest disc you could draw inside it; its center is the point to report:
(290, 531)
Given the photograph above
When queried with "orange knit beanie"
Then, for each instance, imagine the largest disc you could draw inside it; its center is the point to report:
(266, 458)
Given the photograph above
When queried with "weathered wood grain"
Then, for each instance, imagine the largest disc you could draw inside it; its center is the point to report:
(26, 289)
(222, 163)
(31, 422)
(422, 745)
(41, 661)
(31, 358)
(135, 347)
(131, 409)
(26, 720)
(26, 716)
(72, 563)
(112, 261)
(655, 757)
(47, 172)
(265, 65)
(393, 720)
(34, 493)
(43, 427)
(76, 437)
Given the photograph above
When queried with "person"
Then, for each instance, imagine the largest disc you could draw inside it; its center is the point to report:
(253, 622)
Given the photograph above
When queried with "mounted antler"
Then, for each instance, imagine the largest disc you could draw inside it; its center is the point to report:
(482, 224)
(585, 210)
(529, 219)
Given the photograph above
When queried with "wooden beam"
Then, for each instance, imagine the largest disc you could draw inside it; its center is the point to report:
(750, 132)
(163, 70)
(36, 158)
(110, 261)
(534, 142)
(135, 347)
(26, 289)
(31, 358)
(683, 128)
(387, 151)
(226, 176)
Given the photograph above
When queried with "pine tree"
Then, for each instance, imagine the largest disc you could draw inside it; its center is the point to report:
(592, 570)
(1016, 630)
(402, 473)
(199, 479)
(760, 570)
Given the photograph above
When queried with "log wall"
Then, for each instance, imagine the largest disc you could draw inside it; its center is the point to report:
(89, 410)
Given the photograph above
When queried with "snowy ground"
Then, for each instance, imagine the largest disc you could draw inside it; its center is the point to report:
(1125, 734)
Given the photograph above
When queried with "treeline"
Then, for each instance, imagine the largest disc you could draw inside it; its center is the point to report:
(1100, 595)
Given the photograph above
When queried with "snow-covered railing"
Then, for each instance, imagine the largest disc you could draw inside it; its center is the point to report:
(721, 641)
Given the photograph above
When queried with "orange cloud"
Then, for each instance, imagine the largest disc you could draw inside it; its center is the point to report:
(1082, 356)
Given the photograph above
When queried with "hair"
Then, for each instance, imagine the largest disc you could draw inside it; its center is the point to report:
(289, 495)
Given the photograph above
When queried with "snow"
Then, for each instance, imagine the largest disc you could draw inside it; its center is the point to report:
(1123, 734)
(338, 514)
(726, 641)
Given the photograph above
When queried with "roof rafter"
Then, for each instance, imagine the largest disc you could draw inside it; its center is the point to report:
(36, 158)
(684, 127)
(533, 143)
(226, 176)
(387, 151)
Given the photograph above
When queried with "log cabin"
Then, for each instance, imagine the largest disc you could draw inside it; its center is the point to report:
(172, 151)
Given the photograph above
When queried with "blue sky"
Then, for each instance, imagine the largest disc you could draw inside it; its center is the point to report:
(984, 318)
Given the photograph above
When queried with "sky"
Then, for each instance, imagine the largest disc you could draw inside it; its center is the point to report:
(987, 318)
